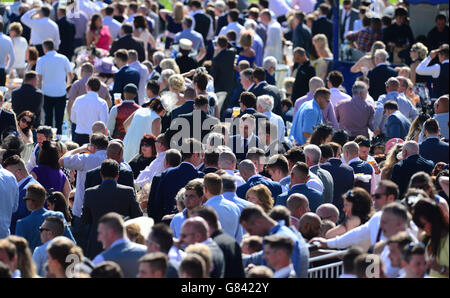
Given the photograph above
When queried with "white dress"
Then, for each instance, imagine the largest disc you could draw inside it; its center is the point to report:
(140, 125)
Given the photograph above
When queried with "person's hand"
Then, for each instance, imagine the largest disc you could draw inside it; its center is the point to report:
(249, 267)
(376, 168)
(320, 242)
(433, 53)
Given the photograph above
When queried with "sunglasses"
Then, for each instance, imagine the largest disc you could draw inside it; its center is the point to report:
(43, 229)
(71, 199)
(23, 120)
(377, 195)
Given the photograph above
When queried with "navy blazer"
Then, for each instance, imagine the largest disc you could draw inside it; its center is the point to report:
(274, 187)
(171, 181)
(324, 26)
(343, 178)
(266, 89)
(123, 77)
(7, 122)
(129, 42)
(234, 129)
(30, 98)
(186, 108)
(22, 210)
(28, 227)
(362, 167)
(377, 78)
(93, 177)
(315, 198)
(151, 204)
(397, 126)
(67, 35)
(435, 150)
(222, 70)
(238, 147)
(405, 169)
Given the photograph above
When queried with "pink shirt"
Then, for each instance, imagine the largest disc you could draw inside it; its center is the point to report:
(105, 37)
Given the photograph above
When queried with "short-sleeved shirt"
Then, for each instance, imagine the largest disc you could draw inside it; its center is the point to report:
(53, 68)
(307, 117)
(195, 37)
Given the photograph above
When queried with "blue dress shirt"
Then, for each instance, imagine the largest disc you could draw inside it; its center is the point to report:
(308, 116)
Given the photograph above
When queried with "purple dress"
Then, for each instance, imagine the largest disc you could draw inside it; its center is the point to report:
(49, 177)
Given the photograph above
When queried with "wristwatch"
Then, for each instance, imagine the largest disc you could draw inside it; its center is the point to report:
(443, 269)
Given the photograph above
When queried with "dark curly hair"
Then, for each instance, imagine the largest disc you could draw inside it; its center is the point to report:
(320, 134)
(361, 203)
(48, 155)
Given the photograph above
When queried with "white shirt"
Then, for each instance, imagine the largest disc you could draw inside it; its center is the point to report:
(307, 6)
(143, 74)
(433, 70)
(274, 45)
(32, 162)
(283, 272)
(337, 96)
(20, 45)
(232, 26)
(41, 29)
(156, 167)
(53, 68)
(279, 7)
(99, 258)
(88, 7)
(237, 177)
(113, 25)
(86, 110)
(278, 121)
(6, 49)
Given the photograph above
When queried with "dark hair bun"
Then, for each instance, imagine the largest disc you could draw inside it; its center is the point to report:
(46, 145)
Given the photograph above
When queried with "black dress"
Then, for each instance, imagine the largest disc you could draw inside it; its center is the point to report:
(139, 163)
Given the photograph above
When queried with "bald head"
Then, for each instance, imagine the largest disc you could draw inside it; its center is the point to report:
(410, 148)
(328, 211)
(309, 225)
(315, 83)
(297, 204)
(441, 105)
(350, 150)
(194, 230)
(227, 160)
(115, 151)
(247, 169)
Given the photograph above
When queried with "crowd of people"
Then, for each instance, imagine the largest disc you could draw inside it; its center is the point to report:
(146, 141)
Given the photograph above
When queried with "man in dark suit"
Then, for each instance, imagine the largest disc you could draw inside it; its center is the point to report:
(264, 88)
(347, 16)
(350, 152)
(397, 125)
(187, 107)
(301, 36)
(299, 176)
(107, 197)
(305, 71)
(412, 163)
(66, 34)
(230, 248)
(114, 151)
(128, 42)
(196, 124)
(246, 139)
(380, 74)
(247, 102)
(222, 68)
(211, 161)
(28, 97)
(125, 75)
(343, 176)
(7, 120)
(248, 171)
(323, 25)
(172, 180)
(433, 148)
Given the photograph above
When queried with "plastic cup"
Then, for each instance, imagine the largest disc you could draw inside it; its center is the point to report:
(236, 112)
(117, 98)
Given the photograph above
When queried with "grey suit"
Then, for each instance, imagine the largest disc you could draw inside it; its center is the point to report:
(327, 180)
(126, 255)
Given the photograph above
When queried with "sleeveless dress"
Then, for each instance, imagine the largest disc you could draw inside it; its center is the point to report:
(250, 60)
(140, 125)
(105, 36)
(50, 178)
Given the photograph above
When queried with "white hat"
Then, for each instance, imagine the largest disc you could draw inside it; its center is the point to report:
(186, 44)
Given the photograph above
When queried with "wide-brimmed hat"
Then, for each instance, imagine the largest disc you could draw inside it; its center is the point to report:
(186, 44)
(105, 65)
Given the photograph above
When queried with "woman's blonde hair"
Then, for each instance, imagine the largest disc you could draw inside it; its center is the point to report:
(134, 233)
(378, 45)
(263, 194)
(169, 63)
(176, 82)
(420, 49)
(246, 39)
(391, 160)
(16, 27)
(321, 42)
(178, 12)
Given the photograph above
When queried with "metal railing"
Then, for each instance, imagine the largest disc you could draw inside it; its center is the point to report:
(330, 270)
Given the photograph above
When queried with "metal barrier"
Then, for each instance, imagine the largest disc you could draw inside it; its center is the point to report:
(331, 270)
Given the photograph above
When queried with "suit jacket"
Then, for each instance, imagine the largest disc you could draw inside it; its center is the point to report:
(222, 21)
(362, 167)
(274, 187)
(315, 198)
(301, 85)
(404, 169)
(151, 204)
(104, 198)
(301, 37)
(222, 70)
(239, 148)
(93, 177)
(353, 16)
(327, 180)
(218, 260)
(209, 170)
(435, 150)
(7, 122)
(397, 126)
(22, 210)
(28, 227)
(186, 108)
(377, 78)
(129, 42)
(199, 126)
(343, 179)
(30, 98)
(270, 78)
(125, 76)
(67, 36)
(232, 254)
(234, 130)
(324, 26)
(126, 255)
(171, 181)
(266, 89)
